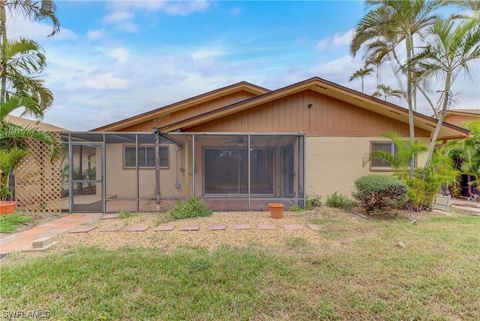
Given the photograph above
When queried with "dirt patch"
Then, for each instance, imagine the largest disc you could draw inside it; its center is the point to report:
(205, 238)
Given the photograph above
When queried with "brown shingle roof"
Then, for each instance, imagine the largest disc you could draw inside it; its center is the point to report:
(24, 122)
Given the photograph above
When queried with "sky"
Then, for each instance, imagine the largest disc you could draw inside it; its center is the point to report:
(115, 59)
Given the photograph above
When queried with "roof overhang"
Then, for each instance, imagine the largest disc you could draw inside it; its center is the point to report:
(165, 110)
(448, 131)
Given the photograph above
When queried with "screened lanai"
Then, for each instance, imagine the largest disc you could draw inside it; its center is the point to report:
(108, 172)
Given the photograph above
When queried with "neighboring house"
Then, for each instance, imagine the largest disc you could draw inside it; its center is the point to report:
(38, 181)
(460, 116)
(242, 146)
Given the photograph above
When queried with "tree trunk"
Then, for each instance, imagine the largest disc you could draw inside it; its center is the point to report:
(411, 123)
(446, 97)
(3, 58)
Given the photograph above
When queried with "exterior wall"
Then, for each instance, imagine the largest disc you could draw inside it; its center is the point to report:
(326, 117)
(332, 164)
(460, 119)
(189, 112)
(121, 182)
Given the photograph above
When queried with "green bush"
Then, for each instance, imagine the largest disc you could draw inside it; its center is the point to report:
(191, 208)
(339, 201)
(125, 214)
(313, 201)
(375, 193)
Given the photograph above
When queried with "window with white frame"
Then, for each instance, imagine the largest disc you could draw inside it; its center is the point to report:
(146, 156)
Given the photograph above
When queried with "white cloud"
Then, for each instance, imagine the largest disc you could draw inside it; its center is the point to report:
(95, 34)
(118, 16)
(208, 53)
(118, 54)
(338, 40)
(105, 81)
(19, 26)
(183, 8)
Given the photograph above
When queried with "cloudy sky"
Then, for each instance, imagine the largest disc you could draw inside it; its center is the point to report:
(114, 59)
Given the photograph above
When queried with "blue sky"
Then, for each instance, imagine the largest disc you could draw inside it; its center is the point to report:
(114, 59)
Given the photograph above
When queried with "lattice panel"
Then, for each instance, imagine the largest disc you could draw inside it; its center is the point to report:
(38, 180)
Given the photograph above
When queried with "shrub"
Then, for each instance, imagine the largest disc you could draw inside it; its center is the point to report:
(313, 201)
(339, 201)
(125, 214)
(191, 208)
(375, 193)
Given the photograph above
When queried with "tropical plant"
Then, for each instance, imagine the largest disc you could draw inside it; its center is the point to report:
(388, 25)
(404, 156)
(453, 46)
(423, 183)
(35, 10)
(362, 73)
(466, 153)
(15, 136)
(25, 61)
(8, 160)
(385, 91)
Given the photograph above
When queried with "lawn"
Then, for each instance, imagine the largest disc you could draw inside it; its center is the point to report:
(436, 276)
(10, 223)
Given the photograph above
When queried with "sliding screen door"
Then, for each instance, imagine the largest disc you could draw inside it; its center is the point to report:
(226, 171)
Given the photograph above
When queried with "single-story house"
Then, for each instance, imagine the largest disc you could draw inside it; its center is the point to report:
(460, 116)
(239, 147)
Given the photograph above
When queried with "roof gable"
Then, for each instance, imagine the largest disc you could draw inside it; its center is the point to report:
(157, 113)
(329, 89)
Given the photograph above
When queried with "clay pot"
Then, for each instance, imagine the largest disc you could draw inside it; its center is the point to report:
(276, 210)
(7, 207)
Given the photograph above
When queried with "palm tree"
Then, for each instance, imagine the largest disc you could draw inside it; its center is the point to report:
(453, 46)
(36, 10)
(385, 91)
(361, 73)
(392, 24)
(25, 60)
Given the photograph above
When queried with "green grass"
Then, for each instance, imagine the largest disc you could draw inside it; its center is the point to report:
(10, 223)
(435, 277)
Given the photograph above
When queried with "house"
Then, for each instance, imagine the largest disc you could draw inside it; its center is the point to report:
(460, 116)
(239, 147)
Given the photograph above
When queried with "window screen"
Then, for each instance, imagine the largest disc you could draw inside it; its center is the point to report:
(146, 156)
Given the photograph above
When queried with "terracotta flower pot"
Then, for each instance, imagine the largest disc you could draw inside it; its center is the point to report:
(276, 210)
(7, 207)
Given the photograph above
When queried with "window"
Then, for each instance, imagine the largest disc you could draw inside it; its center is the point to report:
(388, 147)
(146, 156)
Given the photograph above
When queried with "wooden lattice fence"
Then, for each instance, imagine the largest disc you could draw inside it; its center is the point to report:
(38, 180)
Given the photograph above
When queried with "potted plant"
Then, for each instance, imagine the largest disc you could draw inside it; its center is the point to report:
(276, 210)
(9, 159)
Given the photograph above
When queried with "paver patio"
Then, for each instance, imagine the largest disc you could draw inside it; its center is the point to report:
(23, 240)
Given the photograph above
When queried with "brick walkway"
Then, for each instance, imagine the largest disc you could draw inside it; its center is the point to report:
(23, 240)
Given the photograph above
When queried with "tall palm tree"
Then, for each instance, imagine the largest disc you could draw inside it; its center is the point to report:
(395, 24)
(452, 47)
(32, 9)
(26, 60)
(362, 73)
(385, 91)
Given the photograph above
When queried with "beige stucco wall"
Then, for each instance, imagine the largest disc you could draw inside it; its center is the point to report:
(121, 182)
(332, 164)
